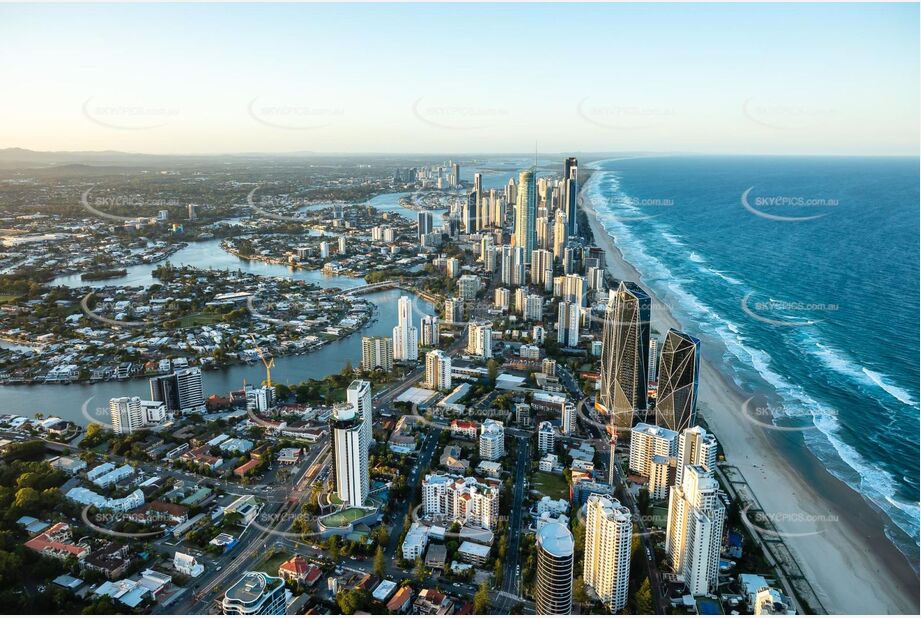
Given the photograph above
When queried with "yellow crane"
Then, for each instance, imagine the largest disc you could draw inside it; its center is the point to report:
(269, 363)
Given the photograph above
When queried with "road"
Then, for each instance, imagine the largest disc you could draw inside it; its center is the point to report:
(511, 576)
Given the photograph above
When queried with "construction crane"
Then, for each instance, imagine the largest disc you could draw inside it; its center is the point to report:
(269, 363)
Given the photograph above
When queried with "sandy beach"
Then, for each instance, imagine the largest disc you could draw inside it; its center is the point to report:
(835, 535)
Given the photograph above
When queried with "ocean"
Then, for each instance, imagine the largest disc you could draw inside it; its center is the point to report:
(800, 274)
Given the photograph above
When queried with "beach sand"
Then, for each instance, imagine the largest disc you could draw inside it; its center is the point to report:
(841, 547)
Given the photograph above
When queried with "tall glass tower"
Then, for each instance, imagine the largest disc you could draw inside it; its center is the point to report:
(625, 354)
(679, 369)
(526, 214)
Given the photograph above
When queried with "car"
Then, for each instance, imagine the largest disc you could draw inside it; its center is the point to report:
(219, 568)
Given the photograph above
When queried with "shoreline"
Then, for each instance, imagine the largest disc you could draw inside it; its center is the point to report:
(839, 566)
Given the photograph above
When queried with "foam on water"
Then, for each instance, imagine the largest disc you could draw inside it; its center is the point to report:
(841, 459)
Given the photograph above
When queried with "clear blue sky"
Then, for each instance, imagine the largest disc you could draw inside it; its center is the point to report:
(818, 79)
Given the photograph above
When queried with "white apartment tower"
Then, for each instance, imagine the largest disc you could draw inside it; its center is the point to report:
(647, 441)
(350, 455)
(696, 447)
(492, 440)
(438, 370)
(126, 414)
(608, 533)
(405, 335)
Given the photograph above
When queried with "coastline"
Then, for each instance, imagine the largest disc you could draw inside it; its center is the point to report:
(788, 479)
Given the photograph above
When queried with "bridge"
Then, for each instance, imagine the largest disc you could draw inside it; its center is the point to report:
(391, 284)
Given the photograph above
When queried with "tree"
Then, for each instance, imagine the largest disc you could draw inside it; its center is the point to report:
(379, 562)
(353, 600)
(644, 598)
(481, 600)
(492, 368)
(419, 571)
(497, 574)
(579, 595)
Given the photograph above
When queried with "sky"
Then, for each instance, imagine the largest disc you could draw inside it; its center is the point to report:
(462, 78)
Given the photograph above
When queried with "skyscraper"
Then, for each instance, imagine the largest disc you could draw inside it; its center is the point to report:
(479, 339)
(405, 335)
(570, 193)
(696, 447)
(695, 529)
(469, 215)
(625, 346)
(553, 589)
(358, 395)
(126, 414)
(526, 214)
(560, 235)
(377, 352)
(608, 532)
(679, 366)
(423, 223)
(181, 390)
(512, 265)
(567, 324)
(350, 455)
(653, 360)
(429, 330)
(541, 266)
(438, 370)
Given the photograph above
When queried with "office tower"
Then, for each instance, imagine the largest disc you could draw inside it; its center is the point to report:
(492, 440)
(377, 352)
(511, 265)
(430, 331)
(568, 419)
(526, 214)
(342, 245)
(405, 335)
(511, 192)
(454, 310)
(533, 308)
(567, 324)
(424, 224)
(502, 297)
(625, 346)
(479, 339)
(358, 395)
(647, 441)
(438, 370)
(695, 529)
(546, 437)
(126, 414)
(469, 215)
(468, 286)
(349, 448)
(255, 594)
(541, 263)
(679, 368)
(696, 447)
(560, 236)
(608, 533)
(553, 589)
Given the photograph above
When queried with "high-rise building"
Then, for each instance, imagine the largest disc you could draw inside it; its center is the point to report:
(126, 414)
(560, 235)
(526, 214)
(696, 447)
(502, 298)
(405, 335)
(568, 419)
(695, 529)
(594, 276)
(608, 535)
(511, 192)
(571, 192)
(324, 249)
(533, 310)
(423, 223)
(453, 265)
(553, 588)
(511, 265)
(662, 472)
(653, 360)
(492, 440)
(572, 289)
(350, 455)
(438, 370)
(358, 395)
(377, 352)
(454, 310)
(255, 593)
(679, 368)
(342, 245)
(478, 182)
(181, 390)
(430, 330)
(469, 215)
(543, 232)
(541, 266)
(625, 346)
(546, 437)
(567, 324)
(647, 441)
(479, 339)
(464, 500)
(468, 286)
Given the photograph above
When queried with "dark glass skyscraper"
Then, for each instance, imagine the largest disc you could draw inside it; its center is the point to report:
(570, 193)
(625, 354)
(679, 368)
